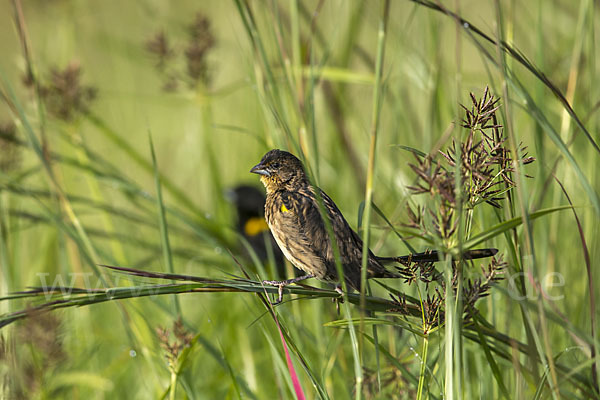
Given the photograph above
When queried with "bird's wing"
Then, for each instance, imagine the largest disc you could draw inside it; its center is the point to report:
(351, 246)
(311, 226)
(304, 234)
(348, 241)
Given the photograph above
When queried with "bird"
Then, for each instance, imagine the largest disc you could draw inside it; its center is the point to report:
(249, 203)
(292, 212)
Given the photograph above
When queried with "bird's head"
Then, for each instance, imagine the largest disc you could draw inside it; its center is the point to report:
(279, 169)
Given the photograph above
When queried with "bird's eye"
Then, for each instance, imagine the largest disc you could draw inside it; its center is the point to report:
(275, 165)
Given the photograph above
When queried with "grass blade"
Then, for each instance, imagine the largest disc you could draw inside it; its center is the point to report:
(508, 225)
(162, 222)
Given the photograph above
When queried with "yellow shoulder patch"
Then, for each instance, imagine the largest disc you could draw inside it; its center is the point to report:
(284, 208)
(255, 226)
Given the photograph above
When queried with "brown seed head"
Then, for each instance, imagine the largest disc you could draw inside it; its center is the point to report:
(65, 95)
(10, 156)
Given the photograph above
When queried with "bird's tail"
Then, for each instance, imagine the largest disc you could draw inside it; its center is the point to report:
(434, 256)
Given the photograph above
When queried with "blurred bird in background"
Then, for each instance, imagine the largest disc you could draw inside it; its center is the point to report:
(249, 203)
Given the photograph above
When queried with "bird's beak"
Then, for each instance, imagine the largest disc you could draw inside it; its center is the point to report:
(260, 170)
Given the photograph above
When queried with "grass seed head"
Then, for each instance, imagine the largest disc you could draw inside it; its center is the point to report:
(65, 95)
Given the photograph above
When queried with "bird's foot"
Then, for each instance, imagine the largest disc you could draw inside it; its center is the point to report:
(281, 284)
(338, 300)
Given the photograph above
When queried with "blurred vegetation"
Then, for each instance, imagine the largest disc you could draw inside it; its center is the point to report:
(124, 124)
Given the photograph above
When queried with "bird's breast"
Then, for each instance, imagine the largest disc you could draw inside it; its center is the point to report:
(290, 237)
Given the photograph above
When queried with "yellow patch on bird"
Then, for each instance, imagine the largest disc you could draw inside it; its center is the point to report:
(255, 226)
(284, 208)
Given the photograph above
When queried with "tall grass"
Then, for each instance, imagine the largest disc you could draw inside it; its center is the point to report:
(362, 93)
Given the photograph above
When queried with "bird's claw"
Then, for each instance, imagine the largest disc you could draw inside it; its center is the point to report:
(341, 292)
(280, 285)
(338, 300)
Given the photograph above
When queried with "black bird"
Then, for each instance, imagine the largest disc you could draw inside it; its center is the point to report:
(249, 204)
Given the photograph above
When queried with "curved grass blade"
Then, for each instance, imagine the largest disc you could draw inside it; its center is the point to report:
(508, 225)
(588, 268)
(343, 323)
(490, 359)
(412, 150)
(515, 54)
(164, 233)
(293, 375)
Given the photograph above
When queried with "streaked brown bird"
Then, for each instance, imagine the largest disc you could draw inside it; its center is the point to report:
(292, 213)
